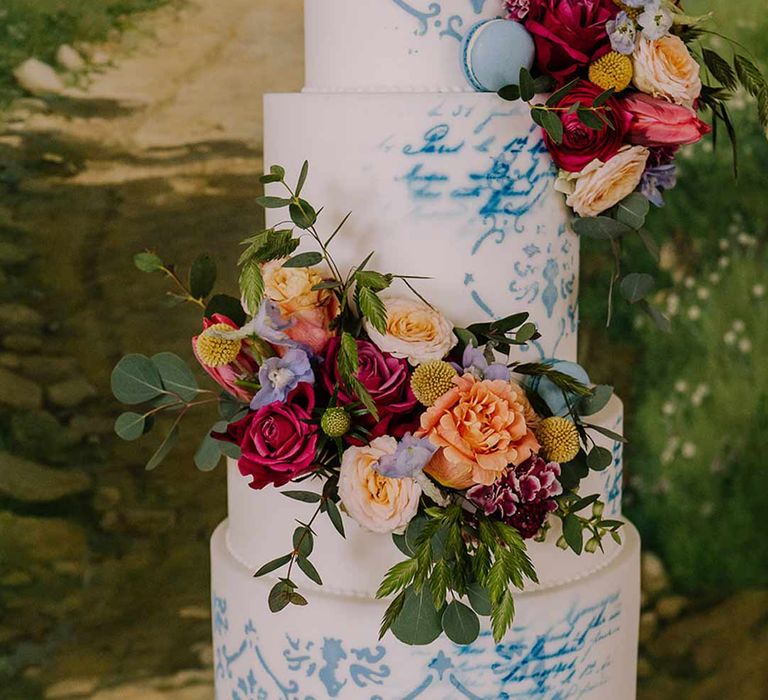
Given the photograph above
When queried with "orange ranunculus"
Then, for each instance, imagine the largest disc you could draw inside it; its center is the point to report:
(481, 429)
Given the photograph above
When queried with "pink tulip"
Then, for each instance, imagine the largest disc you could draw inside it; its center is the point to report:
(660, 123)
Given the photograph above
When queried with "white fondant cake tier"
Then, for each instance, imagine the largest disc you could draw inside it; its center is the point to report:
(356, 565)
(573, 641)
(399, 45)
(458, 188)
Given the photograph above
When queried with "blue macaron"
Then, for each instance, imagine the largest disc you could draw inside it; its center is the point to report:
(494, 51)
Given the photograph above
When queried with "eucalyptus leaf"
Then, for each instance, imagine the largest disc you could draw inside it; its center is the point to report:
(599, 459)
(309, 569)
(527, 88)
(304, 260)
(335, 516)
(202, 277)
(302, 178)
(302, 214)
(303, 496)
(600, 227)
(419, 622)
(661, 321)
(135, 380)
(460, 623)
(553, 125)
(148, 262)
(601, 395)
(636, 286)
(557, 96)
(303, 541)
(526, 332)
(273, 565)
(633, 210)
(208, 454)
(165, 447)
(273, 202)
(479, 599)
(590, 119)
(280, 596)
(177, 377)
(510, 93)
(130, 426)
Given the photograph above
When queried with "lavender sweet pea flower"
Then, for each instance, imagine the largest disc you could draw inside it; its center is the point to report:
(623, 33)
(657, 179)
(281, 375)
(474, 363)
(409, 459)
(656, 21)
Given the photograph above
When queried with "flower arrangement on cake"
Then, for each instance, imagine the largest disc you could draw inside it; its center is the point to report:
(618, 86)
(368, 401)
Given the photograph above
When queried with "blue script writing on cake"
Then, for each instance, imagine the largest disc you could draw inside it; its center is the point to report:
(429, 16)
(533, 662)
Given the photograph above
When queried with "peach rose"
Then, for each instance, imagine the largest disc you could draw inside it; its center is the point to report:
(415, 331)
(311, 311)
(602, 185)
(665, 68)
(378, 503)
(481, 428)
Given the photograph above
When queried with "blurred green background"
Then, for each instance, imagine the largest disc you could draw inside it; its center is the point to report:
(153, 140)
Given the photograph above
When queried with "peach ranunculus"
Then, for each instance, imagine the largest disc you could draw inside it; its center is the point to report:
(481, 429)
(601, 186)
(665, 68)
(309, 311)
(415, 331)
(376, 502)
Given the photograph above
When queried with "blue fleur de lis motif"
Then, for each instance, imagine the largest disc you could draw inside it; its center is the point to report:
(431, 16)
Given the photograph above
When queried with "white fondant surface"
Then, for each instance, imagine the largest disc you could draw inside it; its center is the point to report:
(458, 188)
(393, 45)
(356, 565)
(573, 641)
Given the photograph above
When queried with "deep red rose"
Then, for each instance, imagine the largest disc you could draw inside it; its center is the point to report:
(581, 145)
(278, 442)
(569, 34)
(388, 381)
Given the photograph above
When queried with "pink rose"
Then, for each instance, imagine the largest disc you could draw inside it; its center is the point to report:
(278, 441)
(388, 381)
(581, 145)
(657, 122)
(226, 361)
(569, 34)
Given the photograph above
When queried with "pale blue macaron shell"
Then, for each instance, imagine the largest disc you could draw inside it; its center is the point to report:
(550, 393)
(494, 51)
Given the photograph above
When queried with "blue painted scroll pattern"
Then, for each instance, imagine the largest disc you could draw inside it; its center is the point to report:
(571, 658)
(430, 17)
(614, 479)
(499, 197)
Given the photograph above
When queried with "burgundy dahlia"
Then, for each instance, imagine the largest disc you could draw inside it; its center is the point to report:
(523, 497)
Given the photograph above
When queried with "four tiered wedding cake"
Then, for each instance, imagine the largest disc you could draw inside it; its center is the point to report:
(456, 186)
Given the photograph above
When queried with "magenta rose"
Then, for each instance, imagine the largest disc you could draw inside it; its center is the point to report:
(388, 381)
(569, 34)
(660, 123)
(581, 145)
(278, 442)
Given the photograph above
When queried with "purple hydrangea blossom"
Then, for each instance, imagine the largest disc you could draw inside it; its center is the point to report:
(623, 33)
(655, 20)
(279, 376)
(474, 363)
(656, 180)
(409, 459)
(517, 9)
(523, 497)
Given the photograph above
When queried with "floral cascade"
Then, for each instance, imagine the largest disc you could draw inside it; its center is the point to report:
(619, 86)
(370, 402)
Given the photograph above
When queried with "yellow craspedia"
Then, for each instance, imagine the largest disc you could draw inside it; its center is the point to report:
(431, 380)
(614, 70)
(559, 439)
(216, 351)
(633, 12)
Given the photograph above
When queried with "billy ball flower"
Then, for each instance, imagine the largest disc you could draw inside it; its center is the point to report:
(559, 439)
(335, 422)
(614, 70)
(218, 345)
(432, 380)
